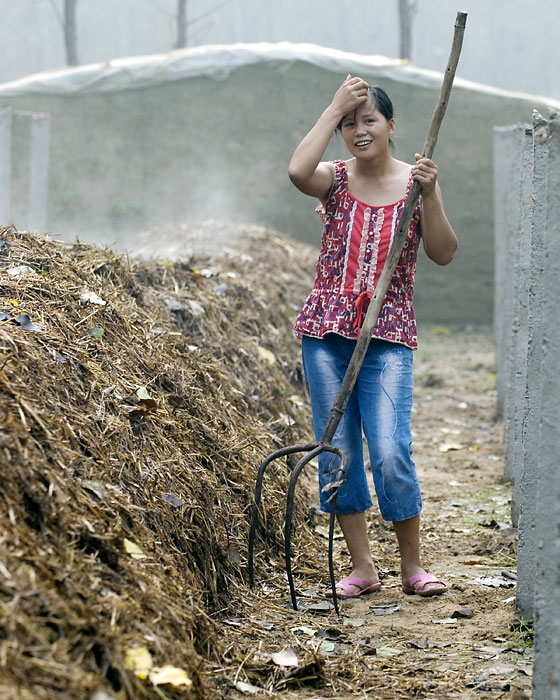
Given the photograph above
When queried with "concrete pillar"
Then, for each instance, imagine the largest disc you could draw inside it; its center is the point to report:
(530, 440)
(546, 677)
(38, 172)
(507, 286)
(507, 183)
(5, 165)
(518, 363)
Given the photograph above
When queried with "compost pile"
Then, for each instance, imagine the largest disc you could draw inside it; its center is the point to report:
(137, 399)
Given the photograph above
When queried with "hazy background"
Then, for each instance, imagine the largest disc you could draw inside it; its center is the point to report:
(511, 44)
(151, 156)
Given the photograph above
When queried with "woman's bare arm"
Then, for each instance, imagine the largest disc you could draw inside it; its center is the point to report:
(306, 170)
(440, 241)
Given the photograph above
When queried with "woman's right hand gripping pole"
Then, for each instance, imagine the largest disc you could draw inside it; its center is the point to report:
(306, 170)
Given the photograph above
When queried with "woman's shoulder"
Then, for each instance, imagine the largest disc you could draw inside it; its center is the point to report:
(402, 166)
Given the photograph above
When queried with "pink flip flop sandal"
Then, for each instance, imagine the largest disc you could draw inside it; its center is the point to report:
(423, 579)
(343, 589)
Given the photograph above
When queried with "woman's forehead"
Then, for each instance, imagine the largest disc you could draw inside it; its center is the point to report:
(367, 107)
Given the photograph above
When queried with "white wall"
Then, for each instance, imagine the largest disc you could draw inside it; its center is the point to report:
(508, 43)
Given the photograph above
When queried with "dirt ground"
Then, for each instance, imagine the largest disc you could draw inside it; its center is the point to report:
(467, 643)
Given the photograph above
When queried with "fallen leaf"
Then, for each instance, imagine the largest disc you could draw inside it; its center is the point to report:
(133, 549)
(388, 652)
(247, 688)
(323, 530)
(384, 609)
(97, 332)
(147, 405)
(326, 647)
(102, 695)
(490, 651)
(331, 634)
(418, 644)
(206, 272)
(174, 305)
(323, 607)
(369, 651)
(445, 621)
(266, 355)
(474, 562)
(173, 499)
(20, 270)
(142, 393)
(89, 297)
(95, 487)
(449, 446)
(500, 670)
(494, 582)
(286, 419)
(353, 622)
(309, 593)
(139, 660)
(196, 307)
(170, 675)
(309, 631)
(234, 555)
(23, 321)
(296, 400)
(262, 623)
(286, 658)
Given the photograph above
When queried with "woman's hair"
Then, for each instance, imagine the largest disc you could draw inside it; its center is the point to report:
(382, 102)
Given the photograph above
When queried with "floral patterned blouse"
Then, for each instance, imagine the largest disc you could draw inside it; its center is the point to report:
(355, 243)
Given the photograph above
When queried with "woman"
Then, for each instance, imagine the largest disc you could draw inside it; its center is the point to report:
(360, 203)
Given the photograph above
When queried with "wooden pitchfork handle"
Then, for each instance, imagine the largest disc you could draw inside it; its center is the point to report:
(399, 240)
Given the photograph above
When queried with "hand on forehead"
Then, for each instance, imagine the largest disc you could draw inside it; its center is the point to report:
(367, 107)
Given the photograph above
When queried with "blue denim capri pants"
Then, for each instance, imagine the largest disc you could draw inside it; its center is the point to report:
(380, 405)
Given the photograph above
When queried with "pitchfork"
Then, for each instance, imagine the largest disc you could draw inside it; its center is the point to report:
(313, 449)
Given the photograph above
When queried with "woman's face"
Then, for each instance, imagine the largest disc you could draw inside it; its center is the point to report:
(366, 131)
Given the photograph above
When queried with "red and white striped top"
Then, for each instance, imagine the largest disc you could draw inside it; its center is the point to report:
(355, 243)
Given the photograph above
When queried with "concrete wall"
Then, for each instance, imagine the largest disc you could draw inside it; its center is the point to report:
(531, 355)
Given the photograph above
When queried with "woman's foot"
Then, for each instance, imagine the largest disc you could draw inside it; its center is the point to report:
(423, 584)
(353, 586)
(362, 580)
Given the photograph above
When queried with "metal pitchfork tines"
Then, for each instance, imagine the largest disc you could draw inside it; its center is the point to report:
(313, 449)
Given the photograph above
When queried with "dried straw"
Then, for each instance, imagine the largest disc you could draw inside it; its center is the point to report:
(138, 420)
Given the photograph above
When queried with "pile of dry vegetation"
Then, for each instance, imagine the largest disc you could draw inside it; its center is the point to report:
(137, 400)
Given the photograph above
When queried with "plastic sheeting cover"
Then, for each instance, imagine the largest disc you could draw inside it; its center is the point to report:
(218, 62)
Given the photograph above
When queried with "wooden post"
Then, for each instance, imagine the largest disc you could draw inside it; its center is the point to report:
(181, 24)
(70, 32)
(5, 165)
